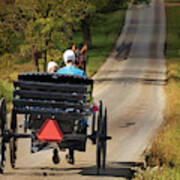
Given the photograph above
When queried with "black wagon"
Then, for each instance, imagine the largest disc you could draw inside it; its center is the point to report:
(55, 109)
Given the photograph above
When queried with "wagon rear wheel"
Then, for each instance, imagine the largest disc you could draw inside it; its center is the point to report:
(104, 135)
(3, 129)
(13, 141)
(98, 138)
(98, 154)
(93, 128)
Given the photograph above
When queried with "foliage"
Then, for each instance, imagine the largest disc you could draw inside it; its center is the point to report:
(159, 174)
(173, 28)
(6, 90)
(141, 1)
(42, 29)
(39, 29)
(173, 1)
(101, 6)
(104, 35)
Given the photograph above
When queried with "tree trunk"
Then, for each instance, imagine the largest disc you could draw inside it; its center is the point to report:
(45, 61)
(86, 30)
(35, 58)
(45, 56)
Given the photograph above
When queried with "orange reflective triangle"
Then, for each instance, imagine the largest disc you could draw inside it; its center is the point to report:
(50, 132)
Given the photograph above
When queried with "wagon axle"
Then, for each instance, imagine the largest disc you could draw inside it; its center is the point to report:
(93, 137)
(8, 135)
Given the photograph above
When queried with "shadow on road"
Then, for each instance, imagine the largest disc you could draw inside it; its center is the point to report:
(124, 172)
(123, 51)
(133, 71)
(113, 169)
(150, 81)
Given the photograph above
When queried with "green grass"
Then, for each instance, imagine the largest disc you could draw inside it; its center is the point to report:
(104, 34)
(6, 90)
(173, 1)
(136, 2)
(165, 150)
(173, 28)
(160, 174)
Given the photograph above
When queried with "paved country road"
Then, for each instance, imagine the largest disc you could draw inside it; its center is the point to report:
(131, 85)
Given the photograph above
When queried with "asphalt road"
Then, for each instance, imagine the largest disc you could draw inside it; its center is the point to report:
(131, 85)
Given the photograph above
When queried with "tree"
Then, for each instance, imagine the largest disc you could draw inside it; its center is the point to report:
(42, 27)
(99, 6)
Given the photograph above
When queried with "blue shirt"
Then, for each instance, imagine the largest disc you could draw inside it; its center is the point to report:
(71, 70)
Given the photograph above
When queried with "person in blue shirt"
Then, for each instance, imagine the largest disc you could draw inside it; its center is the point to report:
(69, 60)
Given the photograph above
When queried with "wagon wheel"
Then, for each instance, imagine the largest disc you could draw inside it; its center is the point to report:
(104, 135)
(93, 128)
(3, 129)
(13, 149)
(98, 138)
(13, 141)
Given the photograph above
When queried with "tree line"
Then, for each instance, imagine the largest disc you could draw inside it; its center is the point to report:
(42, 29)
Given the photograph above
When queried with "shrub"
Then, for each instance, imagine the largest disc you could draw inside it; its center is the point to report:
(6, 90)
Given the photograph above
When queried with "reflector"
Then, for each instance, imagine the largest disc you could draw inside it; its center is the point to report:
(95, 108)
(50, 132)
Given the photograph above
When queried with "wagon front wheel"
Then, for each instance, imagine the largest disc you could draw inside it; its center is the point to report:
(98, 138)
(3, 129)
(12, 147)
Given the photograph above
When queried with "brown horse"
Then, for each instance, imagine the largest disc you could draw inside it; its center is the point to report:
(81, 58)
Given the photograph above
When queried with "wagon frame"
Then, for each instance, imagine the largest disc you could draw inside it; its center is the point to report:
(64, 100)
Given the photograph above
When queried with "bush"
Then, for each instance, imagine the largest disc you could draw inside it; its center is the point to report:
(6, 90)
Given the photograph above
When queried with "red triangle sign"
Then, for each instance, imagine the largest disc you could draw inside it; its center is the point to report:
(50, 132)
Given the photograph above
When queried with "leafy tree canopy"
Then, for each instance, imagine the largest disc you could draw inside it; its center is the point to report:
(37, 29)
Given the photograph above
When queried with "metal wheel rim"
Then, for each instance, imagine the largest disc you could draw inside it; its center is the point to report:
(13, 141)
(104, 144)
(12, 148)
(98, 139)
(3, 128)
(98, 154)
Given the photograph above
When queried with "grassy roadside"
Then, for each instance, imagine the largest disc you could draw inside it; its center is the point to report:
(104, 34)
(163, 159)
(173, 1)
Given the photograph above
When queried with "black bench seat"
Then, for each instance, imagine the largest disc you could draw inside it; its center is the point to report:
(53, 94)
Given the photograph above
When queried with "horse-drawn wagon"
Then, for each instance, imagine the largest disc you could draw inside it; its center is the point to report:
(55, 109)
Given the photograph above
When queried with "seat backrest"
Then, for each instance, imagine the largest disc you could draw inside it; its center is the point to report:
(67, 96)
